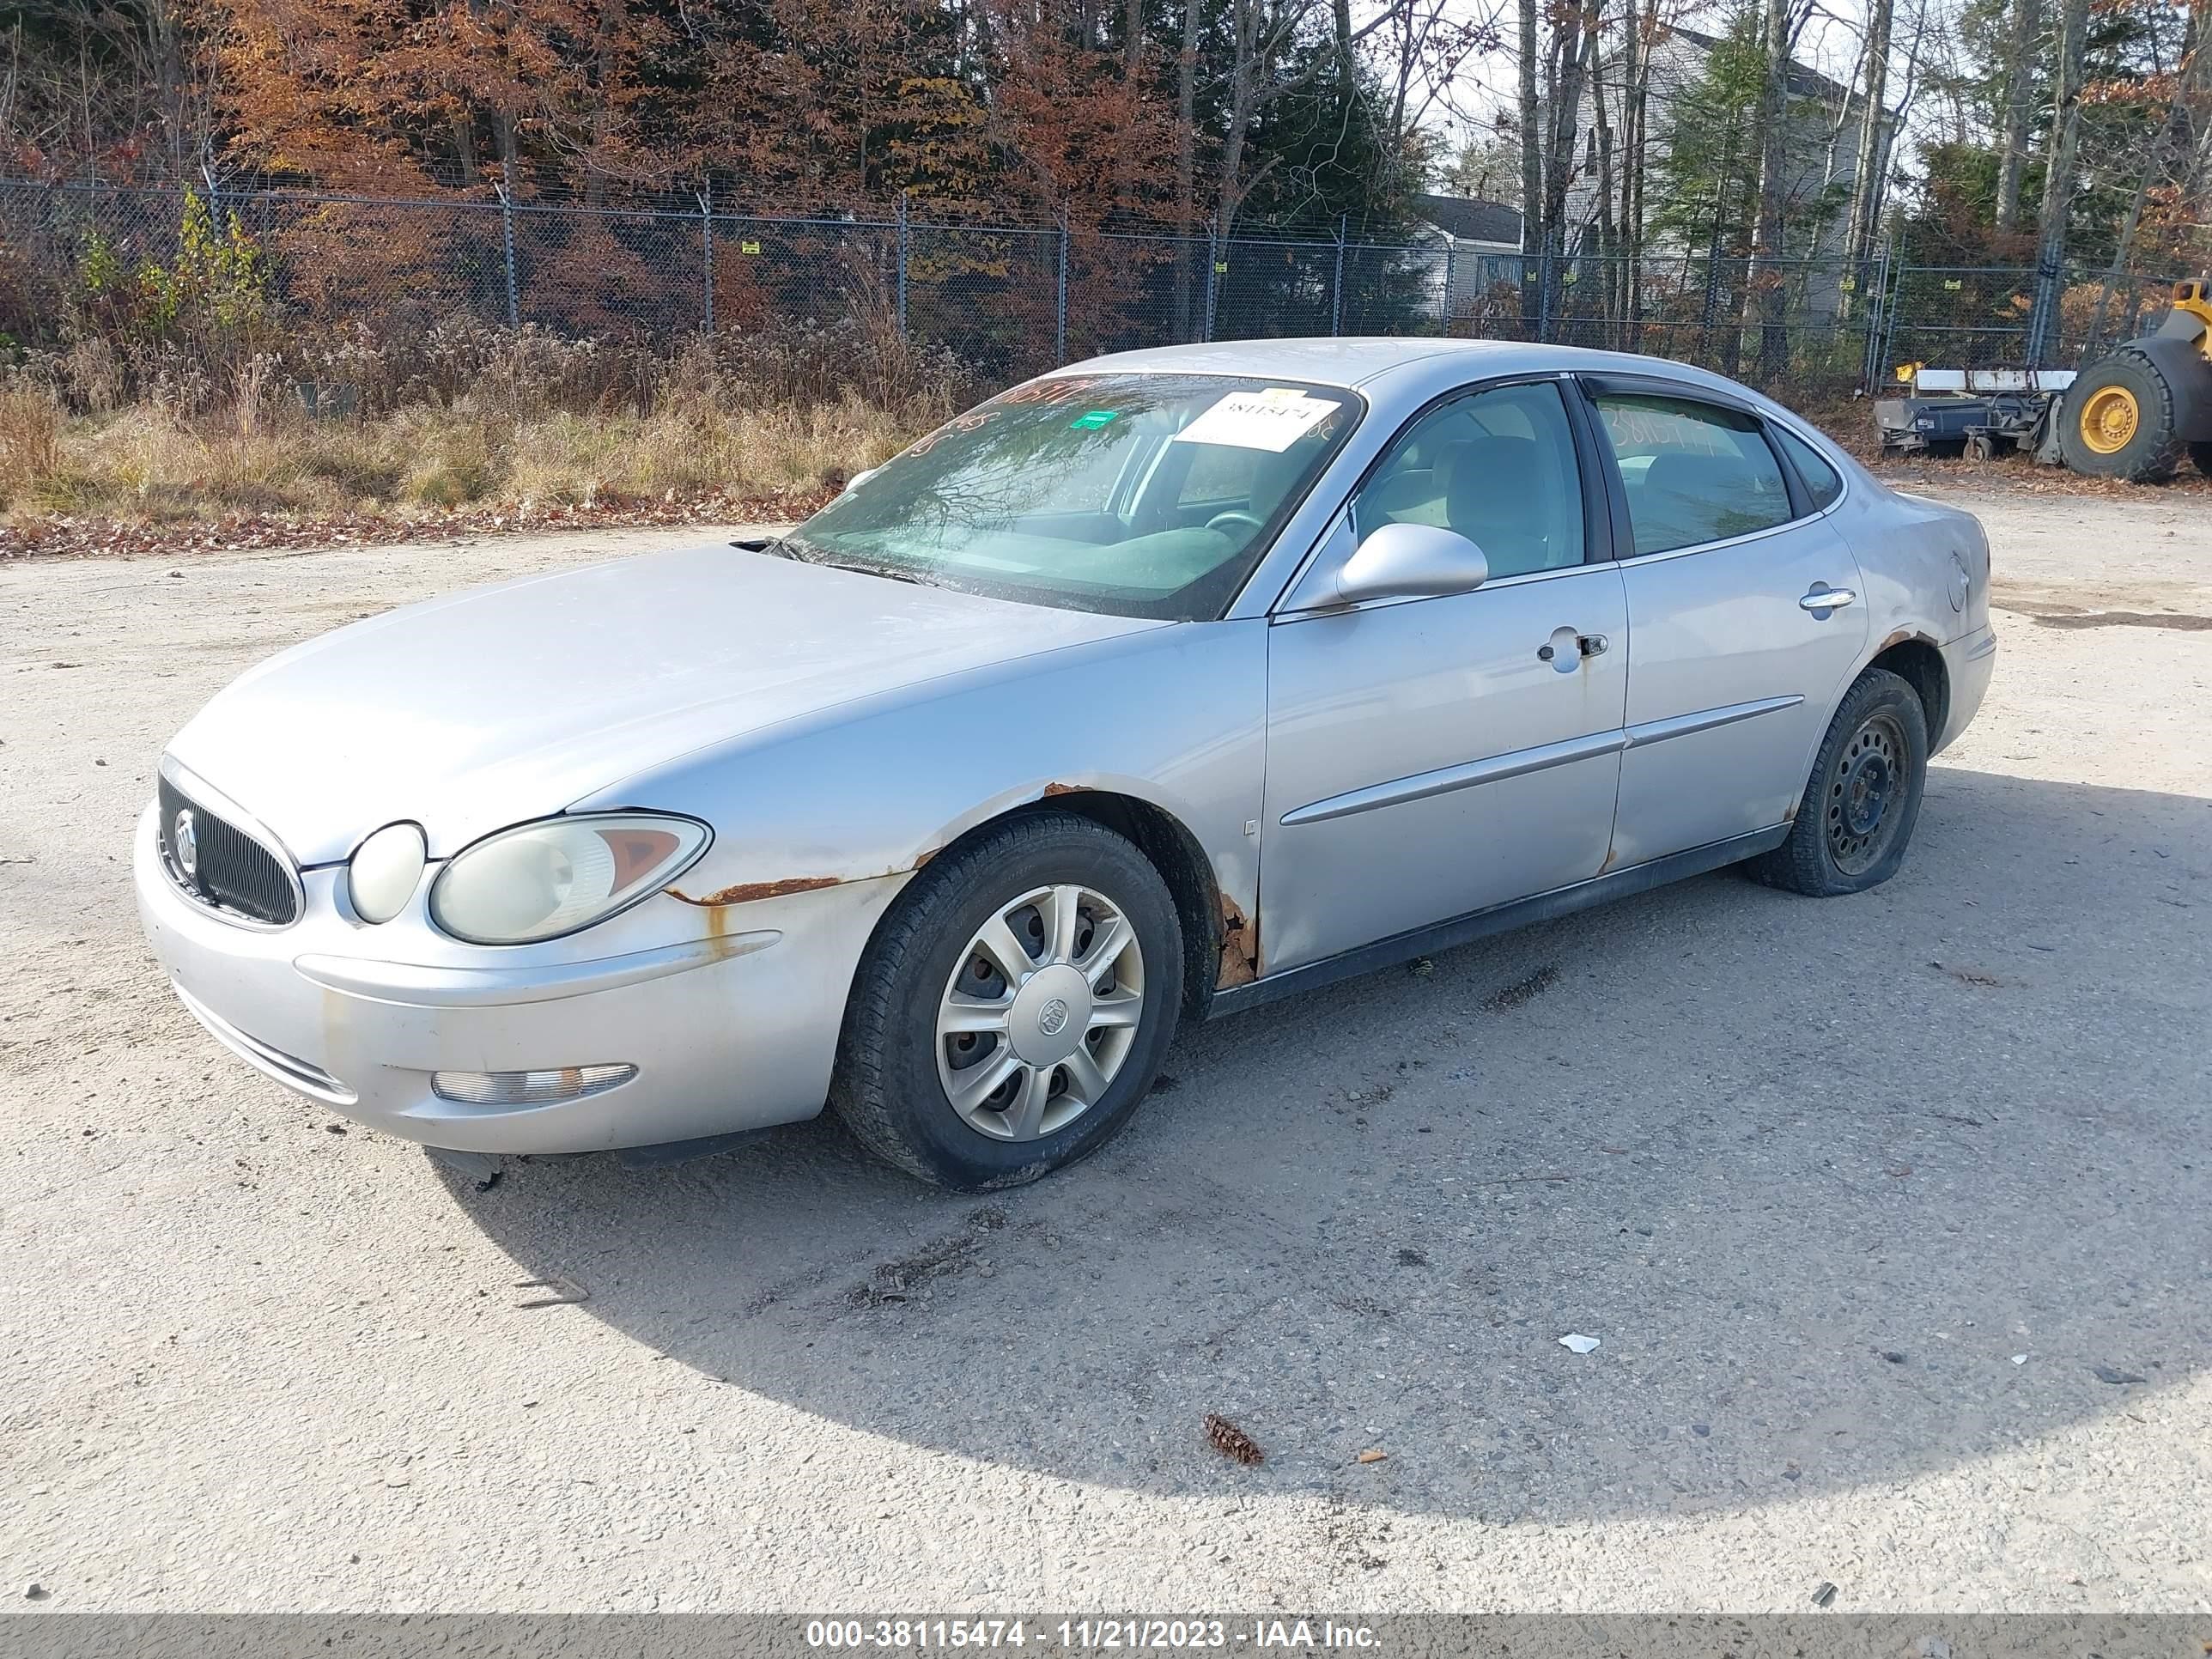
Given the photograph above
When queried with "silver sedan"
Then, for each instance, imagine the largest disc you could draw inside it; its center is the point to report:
(1158, 687)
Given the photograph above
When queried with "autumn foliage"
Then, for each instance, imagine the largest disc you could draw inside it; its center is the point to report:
(802, 104)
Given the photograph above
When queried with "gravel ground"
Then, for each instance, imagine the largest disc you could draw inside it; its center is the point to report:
(1818, 1175)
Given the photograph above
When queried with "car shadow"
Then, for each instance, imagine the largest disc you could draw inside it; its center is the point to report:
(1816, 1175)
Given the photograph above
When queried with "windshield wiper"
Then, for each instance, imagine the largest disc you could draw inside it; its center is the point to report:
(870, 570)
(790, 547)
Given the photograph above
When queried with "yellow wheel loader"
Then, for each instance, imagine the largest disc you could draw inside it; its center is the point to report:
(2137, 413)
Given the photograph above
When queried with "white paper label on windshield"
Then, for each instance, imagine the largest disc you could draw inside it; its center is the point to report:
(1272, 419)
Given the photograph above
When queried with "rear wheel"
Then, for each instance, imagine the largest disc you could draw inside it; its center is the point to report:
(1860, 804)
(2119, 421)
(1013, 1011)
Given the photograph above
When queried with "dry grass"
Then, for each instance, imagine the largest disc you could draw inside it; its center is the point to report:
(148, 462)
(459, 416)
(30, 437)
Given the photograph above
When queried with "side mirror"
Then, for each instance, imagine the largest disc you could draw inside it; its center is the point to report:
(1410, 560)
(858, 478)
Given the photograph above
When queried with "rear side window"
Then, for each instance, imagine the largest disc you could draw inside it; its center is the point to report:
(1695, 472)
(1822, 483)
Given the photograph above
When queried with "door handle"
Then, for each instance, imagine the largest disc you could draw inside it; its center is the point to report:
(1588, 644)
(1824, 598)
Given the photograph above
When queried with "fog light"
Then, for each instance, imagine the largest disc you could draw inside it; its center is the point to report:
(528, 1088)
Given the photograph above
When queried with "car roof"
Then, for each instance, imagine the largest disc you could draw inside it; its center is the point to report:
(1394, 366)
(1342, 361)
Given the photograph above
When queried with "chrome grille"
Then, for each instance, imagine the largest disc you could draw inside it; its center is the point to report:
(227, 869)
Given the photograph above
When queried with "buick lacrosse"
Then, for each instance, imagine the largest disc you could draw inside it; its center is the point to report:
(1155, 688)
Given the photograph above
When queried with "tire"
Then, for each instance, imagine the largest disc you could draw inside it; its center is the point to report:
(2201, 454)
(899, 1071)
(1874, 758)
(2152, 449)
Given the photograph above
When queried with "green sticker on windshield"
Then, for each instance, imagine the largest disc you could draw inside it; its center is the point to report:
(1091, 419)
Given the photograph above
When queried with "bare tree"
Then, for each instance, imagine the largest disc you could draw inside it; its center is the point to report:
(1425, 43)
(1641, 25)
(2019, 79)
(1763, 286)
(1872, 159)
(1262, 32)
(2168, 160)
(1566, 71)
(1532, 153)
(2058, 179)
(1186, 153)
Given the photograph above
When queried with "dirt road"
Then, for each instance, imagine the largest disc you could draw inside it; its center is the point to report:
(1870, 1201)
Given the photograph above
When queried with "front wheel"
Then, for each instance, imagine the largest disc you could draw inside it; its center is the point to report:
(1863, 798)
(1013, 1011)
(2119, 421)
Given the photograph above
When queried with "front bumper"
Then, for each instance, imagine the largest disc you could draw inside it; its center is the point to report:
(730, 1015)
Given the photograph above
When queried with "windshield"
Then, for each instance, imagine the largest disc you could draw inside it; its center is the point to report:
(1139, 494)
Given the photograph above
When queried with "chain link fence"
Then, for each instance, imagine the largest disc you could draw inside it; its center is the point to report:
(1011, 300)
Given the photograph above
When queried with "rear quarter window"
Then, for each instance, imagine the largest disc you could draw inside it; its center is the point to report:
(1822, 481)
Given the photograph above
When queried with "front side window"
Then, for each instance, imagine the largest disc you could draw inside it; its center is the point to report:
(1137, 494)
(1498, 467)
(1695, 472)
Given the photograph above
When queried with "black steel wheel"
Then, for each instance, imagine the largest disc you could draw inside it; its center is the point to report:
(1861, 789)
(1856, 815)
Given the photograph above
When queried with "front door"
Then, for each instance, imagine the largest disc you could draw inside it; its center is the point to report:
(1736, 667)
(1430, 758)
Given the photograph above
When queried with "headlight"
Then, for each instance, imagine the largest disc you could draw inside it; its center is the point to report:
(381, 877)
(538, 881)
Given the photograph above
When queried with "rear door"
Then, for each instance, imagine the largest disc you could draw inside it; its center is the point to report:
(1735, 665)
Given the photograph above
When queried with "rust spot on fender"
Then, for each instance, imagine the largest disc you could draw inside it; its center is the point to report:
(1240, 948)
(745, 892)
(1052, 789)
(927, 856)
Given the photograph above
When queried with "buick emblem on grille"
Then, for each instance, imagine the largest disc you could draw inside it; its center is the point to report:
(185, 841)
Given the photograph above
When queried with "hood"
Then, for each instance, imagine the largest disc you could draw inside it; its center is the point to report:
(474, 712)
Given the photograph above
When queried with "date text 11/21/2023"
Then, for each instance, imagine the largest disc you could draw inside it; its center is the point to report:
(1087, 1634)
